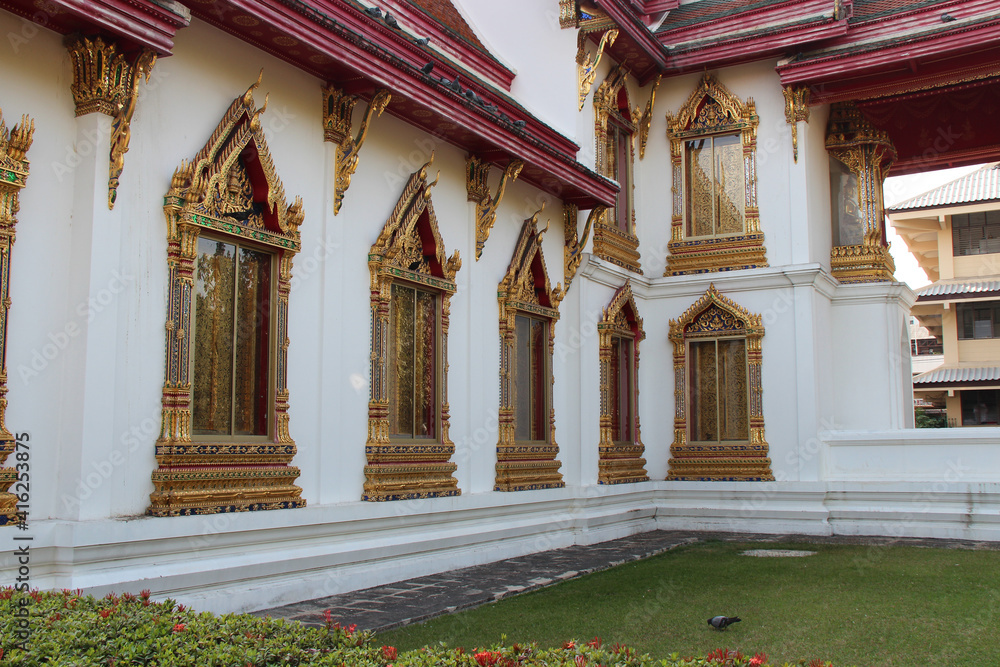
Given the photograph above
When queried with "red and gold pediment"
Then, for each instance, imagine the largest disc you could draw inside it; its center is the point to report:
(527, 280)
(232, 186)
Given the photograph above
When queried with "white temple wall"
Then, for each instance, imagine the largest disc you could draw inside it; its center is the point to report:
(549, 91)
(44, 326)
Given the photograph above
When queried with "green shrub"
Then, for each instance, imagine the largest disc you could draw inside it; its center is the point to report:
(70, 629)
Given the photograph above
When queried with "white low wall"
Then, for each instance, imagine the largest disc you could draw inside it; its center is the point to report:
(251, 561)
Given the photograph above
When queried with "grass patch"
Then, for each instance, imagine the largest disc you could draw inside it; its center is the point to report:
(853, 605)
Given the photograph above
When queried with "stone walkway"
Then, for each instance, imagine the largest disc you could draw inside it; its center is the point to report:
(404, 602)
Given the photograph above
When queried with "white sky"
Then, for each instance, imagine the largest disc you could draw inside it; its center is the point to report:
(900, 188)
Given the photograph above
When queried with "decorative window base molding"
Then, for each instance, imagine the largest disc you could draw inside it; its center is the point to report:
(197, 478)
(862, 264)
(719, 463)
(527, 467)
(621, 464)
(395, 472)
(726, 253)
(617, 247)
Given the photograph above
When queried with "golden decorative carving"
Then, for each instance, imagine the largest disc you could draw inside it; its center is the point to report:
(711, 110)
(525, 289)
(14, 169)
(615, 240)
(868, 153)
(199, 476)
(573, 247)
(477, 172)
(620, 462)
(569, 15)
(714, 316)
(104, 81)
(408, 469)
(337, 109)
(647, 117)
(796, 110)
(587, 65)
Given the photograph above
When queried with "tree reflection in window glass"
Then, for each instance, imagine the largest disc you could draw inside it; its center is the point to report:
(232, 351)
(530, 369)
(412, 362)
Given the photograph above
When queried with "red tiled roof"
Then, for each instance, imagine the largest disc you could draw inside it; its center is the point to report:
(865, 10)
(979, 186)
(444, 12)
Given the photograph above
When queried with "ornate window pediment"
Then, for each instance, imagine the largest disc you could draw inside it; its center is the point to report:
(718, 420)
(620, 448)
(412, 280)
(527, 450)
(615, 124)
(224, 443)
(715, 224)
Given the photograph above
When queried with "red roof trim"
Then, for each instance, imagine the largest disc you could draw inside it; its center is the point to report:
(388, 60)
(638, 32)
(137, 22)
(478, 59)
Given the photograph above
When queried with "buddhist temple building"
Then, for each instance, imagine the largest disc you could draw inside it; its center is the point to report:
(313, 295)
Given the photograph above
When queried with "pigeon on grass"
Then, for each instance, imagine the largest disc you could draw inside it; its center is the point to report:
(721, 622)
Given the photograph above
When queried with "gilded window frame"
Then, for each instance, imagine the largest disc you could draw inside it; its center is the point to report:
(722, 252)
(234, 474)
(400, 469)
(618, 462)
(525, 288)
(714, 316)
(611, 243)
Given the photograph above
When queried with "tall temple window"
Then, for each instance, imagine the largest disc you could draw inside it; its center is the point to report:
(413, 384)
(615, 239)
(714, 186)
(620, 448)
(718, 394)
(620, 141)
(860, 157)
(715, 224)
(231, 389)
(531, 378)
(225, 443)
(717, 390)
(526, 447)
(621, 380)
(408, 449)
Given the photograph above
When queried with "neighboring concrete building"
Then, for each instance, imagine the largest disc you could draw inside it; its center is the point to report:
(954, 232)
(311, 295)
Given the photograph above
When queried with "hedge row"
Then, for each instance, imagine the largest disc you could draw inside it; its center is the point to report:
(68, 628)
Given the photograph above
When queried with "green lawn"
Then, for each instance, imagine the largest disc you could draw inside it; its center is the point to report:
(852, 605)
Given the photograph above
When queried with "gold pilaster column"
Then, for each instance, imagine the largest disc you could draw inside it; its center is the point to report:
(796, 111)
(477, 172)
(104, 81)
(13, 174)
(337, 109)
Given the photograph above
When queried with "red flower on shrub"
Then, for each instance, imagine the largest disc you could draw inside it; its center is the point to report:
(581, 661)
(569, 645)
(487, 658)
(179, 627)
(594, 643)
(389, 652)
(758, 660)
(106, 612)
